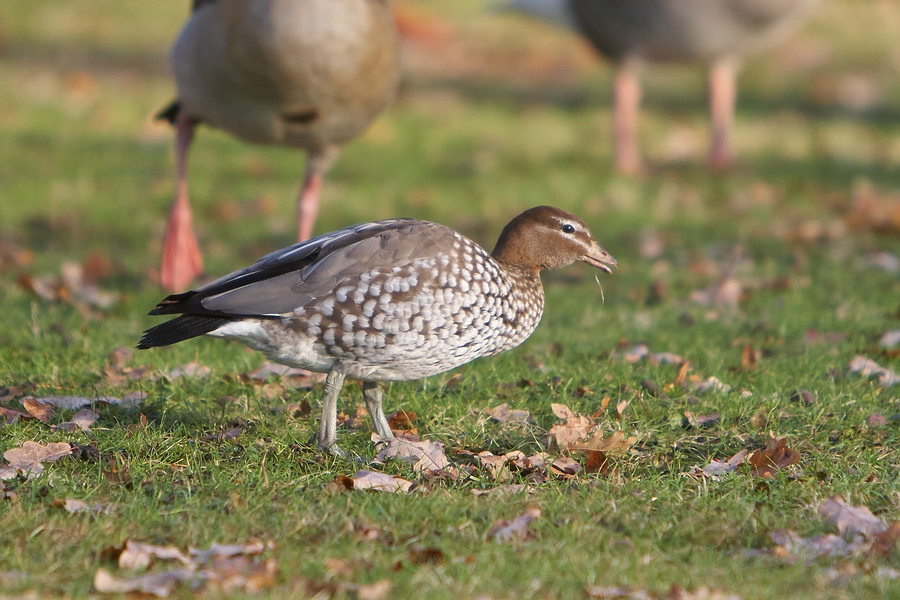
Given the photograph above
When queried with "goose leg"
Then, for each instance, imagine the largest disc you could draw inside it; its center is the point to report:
(328, 424)
(308, 202)
(722, 98)
(373, 395)
(627, 106)
(181, 261)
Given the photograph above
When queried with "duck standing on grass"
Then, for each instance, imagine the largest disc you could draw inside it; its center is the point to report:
(310, 74)
(718, 32)
(391, 300)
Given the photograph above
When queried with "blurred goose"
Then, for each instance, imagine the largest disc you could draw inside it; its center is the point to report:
(719, 32)
(385, 301)
(310, 74)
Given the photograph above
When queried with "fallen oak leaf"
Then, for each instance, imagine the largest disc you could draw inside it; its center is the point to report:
(227, 551)
(30, 456)
(566, 467)
(574, 428)
(776, 456)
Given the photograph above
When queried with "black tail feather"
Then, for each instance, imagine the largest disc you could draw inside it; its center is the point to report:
(169, 113)
(179, 329)
(175, 304)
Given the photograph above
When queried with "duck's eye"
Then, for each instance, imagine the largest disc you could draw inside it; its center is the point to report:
(568, 228)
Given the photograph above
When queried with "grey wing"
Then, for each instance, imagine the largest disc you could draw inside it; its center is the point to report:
(282, 293)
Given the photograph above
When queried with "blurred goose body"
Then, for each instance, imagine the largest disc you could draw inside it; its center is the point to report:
(391, 300)
(719, 32)
(309, 74)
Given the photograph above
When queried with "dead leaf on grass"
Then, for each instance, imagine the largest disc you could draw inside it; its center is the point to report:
(12, 416)
(725, 293)
(616, 443)
(339, 485)
(381, 482)
(566, 467)
(717, 468)
(421, 455)
(868, 367)
(75, 507)
(402, 420)
(890, 339)
(40, 411)
(82, 420)
(776, 456)
(138, 555)
(791, 547)
(504, 414)
(574, 429)
(749, 357)
(642, 351)
(515, 530)
(697, 421)
(711, 384)
(851, 520)
(28, 459)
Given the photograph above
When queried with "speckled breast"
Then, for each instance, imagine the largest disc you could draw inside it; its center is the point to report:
(406, 322)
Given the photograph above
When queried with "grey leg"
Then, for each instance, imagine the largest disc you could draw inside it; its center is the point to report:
(328, 424)
(373, 395)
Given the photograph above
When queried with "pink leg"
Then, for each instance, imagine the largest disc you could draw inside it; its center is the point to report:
(181, 261)
(722, 98)
(308, 204)
(627, 106)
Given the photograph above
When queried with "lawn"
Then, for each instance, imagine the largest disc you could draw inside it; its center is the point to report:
(771, 278)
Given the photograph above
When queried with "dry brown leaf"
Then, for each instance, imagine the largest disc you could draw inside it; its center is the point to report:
(12, 416)
(504, 414)
(566, 467)
(402, 420)
(749, 357)
(515, 530)
(339, 485)
(382, 482)
(495, 465)
(682, 373)
(75, 507)
(851, 520)
(421, 455)
(138, 555)
(597, 462)
(227, 551)
(791, 547)
(82, 420)
(40, 411)
(29, 457)
(617, 443)
(868, 367)
(696, 421)
(716, 468)
(776, 456)
(574, 428)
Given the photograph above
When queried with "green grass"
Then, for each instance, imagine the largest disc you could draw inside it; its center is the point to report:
(84, 170)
